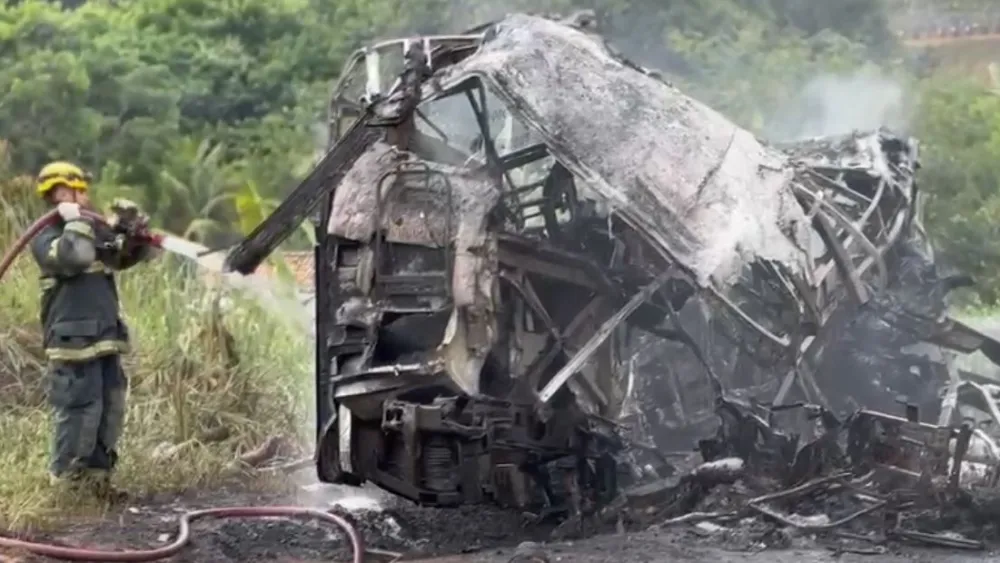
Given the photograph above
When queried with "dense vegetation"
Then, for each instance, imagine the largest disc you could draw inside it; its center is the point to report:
(206, 112)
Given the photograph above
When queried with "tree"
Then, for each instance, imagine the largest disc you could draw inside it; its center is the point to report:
(960, 130)
(198, 108)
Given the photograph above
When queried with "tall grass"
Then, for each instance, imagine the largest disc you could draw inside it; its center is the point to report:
(206, 384)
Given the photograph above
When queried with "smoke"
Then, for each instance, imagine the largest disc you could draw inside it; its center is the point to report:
(830, 104)
(321, 139)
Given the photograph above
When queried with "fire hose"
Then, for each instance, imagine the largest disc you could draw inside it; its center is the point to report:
(50, 218)
(184, 533)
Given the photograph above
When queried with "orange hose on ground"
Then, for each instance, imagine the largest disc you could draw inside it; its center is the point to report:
(184, 535)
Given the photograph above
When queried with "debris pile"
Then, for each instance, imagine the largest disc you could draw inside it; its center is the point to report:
(866, 480)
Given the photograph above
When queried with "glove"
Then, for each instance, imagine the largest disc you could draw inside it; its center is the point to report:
(127, 216)
(122, 204)
(69, 211)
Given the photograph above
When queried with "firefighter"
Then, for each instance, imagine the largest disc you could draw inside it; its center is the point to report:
(83, 334)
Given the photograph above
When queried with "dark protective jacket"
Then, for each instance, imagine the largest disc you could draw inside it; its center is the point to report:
(80, 313)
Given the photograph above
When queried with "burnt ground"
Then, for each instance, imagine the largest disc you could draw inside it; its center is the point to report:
(385, 522)
(462, 535)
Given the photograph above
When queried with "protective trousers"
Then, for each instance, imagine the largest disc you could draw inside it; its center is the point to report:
(88, 399)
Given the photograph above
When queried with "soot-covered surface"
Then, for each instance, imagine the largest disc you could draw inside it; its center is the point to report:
(386, 523)
(463, 535)
(713, 197)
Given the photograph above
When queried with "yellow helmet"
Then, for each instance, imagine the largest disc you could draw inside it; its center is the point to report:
(61, 174)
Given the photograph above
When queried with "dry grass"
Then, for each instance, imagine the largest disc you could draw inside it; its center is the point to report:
(205, 385)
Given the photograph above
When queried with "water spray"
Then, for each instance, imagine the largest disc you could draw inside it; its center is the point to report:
(161, 240)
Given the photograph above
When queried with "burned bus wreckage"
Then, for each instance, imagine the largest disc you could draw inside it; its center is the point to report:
(527, 244)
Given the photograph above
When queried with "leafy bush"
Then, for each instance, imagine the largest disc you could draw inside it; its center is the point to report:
(959, 129)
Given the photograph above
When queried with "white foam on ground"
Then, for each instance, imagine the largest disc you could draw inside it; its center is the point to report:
(358, 503)
(727, 464)
(346, 497)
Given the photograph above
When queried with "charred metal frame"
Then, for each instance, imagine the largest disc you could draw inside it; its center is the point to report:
(396, 404)
(505, 481)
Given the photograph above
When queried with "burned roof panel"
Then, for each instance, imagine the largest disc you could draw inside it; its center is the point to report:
(705, 191)
(877, 154)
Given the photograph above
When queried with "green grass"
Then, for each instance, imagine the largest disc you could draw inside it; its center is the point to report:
(188, 386)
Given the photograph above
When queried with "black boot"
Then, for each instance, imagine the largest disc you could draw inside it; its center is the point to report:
(103, 490)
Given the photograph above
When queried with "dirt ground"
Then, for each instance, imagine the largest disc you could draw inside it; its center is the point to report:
(649, 548)
(385, 522)
(463, 535)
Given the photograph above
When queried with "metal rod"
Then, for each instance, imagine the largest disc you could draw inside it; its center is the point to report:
(588, 349)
